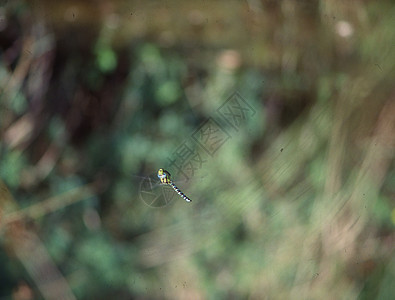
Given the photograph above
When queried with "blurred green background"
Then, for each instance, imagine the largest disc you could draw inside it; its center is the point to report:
(297, 204)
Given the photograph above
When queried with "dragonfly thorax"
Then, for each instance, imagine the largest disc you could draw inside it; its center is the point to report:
(164, 176)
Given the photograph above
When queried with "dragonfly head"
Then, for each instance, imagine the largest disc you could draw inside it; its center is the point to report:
(161, 173)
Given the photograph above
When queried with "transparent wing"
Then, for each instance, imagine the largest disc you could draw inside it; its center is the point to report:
(153, 181)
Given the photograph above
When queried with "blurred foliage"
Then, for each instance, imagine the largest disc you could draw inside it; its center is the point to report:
(297, 204)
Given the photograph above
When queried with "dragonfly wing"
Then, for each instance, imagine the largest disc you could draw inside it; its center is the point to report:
(153, 181)
(156, 194)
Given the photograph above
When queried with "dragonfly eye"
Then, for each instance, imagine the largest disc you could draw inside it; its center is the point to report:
(161, 174)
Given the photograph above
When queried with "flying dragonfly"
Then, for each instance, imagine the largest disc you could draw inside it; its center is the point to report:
(165, 178)
(158, 190)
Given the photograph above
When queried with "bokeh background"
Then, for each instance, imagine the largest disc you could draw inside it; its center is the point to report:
(297, 204)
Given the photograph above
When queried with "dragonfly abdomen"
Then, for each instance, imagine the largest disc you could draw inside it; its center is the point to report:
(180, 193)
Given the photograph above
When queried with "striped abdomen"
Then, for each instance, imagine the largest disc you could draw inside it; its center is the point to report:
(180, 193)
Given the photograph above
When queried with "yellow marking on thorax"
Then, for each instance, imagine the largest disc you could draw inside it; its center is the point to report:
(164, 176)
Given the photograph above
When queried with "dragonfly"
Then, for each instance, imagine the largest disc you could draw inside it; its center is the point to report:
(165, 178)
(158, 190)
